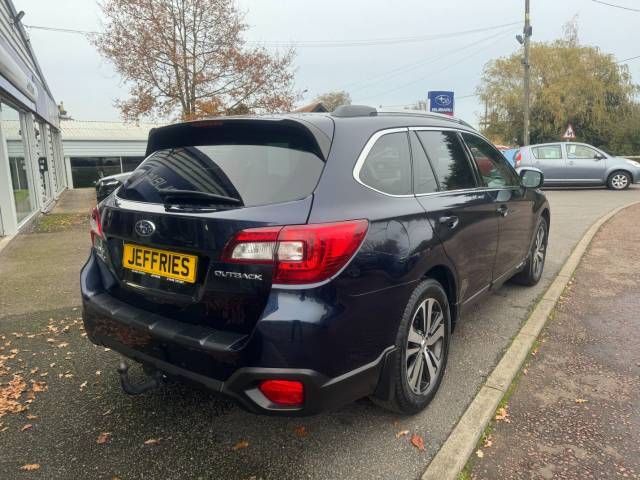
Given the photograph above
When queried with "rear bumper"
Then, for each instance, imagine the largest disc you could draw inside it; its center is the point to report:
(215, 359)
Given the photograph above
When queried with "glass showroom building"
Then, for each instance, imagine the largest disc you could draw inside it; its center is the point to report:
(32, 168)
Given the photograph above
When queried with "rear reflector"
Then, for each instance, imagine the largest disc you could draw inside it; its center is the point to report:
(283, 392)
(300, 254)
(518, 159)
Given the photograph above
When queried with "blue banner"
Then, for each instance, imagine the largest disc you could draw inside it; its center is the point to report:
(441, 102)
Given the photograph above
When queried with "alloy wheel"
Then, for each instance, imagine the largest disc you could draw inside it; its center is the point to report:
(539, 251)
(619, 181)
(425, 346)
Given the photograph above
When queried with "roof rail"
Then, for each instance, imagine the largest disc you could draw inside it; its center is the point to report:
(422, 113)
(354, 111)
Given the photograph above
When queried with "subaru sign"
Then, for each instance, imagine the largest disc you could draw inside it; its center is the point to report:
(441, 102)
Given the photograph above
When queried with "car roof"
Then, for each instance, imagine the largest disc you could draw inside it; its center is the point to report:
(320, 125)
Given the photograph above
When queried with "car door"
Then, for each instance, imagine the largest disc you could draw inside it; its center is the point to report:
(584, 164)
(550, 159)
(462, 214)
(511, 203)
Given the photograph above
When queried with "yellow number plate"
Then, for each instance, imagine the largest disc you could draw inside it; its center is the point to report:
(163, 263)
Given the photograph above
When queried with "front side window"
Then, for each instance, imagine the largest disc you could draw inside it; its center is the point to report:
(548, 152)
(387, 167)
(448, 158)
(491, 164)
(575, 152)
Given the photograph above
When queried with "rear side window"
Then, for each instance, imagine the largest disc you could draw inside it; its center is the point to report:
(491, 164)
(448, 158)
(424, 180)
(253, 174)
(548, 152)
(387, 167)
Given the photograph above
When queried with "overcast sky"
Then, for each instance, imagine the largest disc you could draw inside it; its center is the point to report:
(389, 75)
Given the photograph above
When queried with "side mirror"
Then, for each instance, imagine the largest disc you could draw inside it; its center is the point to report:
(599, 156)
(531, 177)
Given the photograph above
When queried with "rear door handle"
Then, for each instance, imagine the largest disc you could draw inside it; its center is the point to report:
(449, 221)
(503, 210)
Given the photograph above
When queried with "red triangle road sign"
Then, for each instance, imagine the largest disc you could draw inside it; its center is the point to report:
(569, 134)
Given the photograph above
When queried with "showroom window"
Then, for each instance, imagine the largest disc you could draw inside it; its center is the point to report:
(21, 175)
(86, 171)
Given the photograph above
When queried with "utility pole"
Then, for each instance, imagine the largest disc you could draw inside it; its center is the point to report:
(527, 67)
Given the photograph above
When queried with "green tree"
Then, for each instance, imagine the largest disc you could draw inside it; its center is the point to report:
(570, 83)
(333, 100)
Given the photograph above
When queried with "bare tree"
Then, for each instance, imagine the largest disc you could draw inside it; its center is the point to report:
(333, 100)
(188, 59)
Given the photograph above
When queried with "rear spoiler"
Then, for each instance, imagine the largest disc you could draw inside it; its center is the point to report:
(298, 134)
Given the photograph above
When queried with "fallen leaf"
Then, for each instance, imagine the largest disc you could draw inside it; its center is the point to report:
(301, 431)
(240, 445)
(402, 433)
(525, 371)
(63, 345)
(31, 417)
(581, 400)
(152, 441)
(534, 352)
(479, 453)
(26, 427)
(417, 441)
(488, 442)
(98, 372)
(30, 467)
(39, 386)
(502, 415)
(83, 384)
(103, 438)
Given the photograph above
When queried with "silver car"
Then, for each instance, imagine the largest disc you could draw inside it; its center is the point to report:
(579, 164)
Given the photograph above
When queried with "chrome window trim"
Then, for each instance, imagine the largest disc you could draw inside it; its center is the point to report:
(365, 153)
(463, 190)
(376, 136)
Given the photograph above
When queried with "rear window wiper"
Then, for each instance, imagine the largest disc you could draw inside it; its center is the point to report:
(195, 195)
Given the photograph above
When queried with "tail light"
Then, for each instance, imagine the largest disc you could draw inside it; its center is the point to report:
(96, 225)
(518, 159)
(299, 253)
(283, 392)
(97, 235)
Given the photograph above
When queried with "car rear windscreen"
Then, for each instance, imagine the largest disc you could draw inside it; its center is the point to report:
(253, 174)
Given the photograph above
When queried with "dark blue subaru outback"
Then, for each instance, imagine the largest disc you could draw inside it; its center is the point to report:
(299, 262)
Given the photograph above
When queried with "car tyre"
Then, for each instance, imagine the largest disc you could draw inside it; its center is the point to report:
(532, 272)
(619, 180)
(422, 344)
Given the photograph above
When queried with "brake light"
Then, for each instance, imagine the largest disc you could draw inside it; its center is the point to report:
(96, 225)
(283, 392)
(299, 253)
(518, 159)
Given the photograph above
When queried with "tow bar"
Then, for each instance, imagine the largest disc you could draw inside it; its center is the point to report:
(154, 381)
